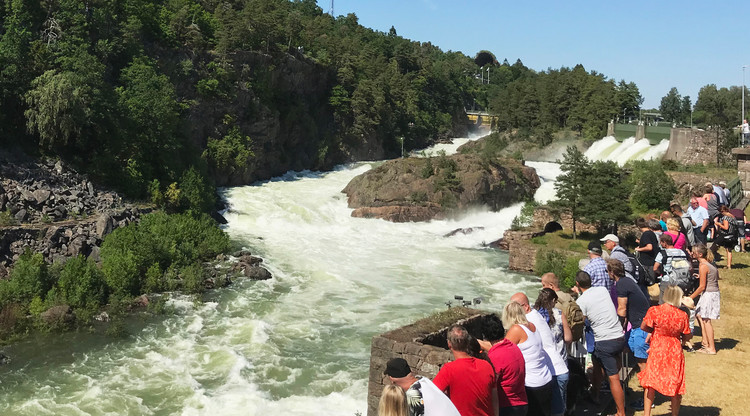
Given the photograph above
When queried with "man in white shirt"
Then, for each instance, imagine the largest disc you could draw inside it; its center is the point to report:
(745, 133)
(608, 336)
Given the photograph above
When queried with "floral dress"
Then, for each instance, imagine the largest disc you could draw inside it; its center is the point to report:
(665, 368)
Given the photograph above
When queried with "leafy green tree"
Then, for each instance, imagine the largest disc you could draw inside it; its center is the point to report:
(686, 110)
(229, 155)
(671, 106)
(652, 188)
(716, 108)
(571, 184)
(59, 108)
(605, 196)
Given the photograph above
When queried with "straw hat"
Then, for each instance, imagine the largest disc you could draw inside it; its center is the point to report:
(688, 302)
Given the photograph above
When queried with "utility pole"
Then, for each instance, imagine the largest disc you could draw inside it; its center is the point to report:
(488, 75)
(332, 14)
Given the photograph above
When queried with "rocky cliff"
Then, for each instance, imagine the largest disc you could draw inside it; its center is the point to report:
(420, 189)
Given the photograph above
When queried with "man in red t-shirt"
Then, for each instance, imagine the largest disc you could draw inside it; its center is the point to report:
(468, 381)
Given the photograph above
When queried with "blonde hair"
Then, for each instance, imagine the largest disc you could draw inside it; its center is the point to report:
(392, 402)
(702, 251)
(673, 225)
(673, 296)
(513, 314)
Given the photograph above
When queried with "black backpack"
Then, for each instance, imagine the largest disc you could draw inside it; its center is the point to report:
(646, 275)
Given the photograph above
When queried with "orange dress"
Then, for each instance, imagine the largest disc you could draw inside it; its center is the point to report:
(665, 367)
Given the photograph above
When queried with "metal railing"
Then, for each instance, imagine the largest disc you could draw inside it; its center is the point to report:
(735, 192)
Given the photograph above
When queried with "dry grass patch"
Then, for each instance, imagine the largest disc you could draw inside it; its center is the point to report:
(717, 385)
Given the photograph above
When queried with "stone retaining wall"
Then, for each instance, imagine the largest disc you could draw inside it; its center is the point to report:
(422, 344)
(692, 146)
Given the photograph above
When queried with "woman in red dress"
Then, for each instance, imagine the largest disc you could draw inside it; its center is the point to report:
(665, 367)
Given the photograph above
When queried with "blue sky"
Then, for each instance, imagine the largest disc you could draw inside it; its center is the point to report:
(658, 45)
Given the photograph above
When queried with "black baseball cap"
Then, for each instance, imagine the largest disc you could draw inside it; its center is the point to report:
(397, 368)
(595, 247)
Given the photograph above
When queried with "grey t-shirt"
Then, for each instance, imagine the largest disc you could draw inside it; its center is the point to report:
(601, 314)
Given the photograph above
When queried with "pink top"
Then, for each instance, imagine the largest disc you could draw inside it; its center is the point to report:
(702, 202)
(510, 369)
(678, 239)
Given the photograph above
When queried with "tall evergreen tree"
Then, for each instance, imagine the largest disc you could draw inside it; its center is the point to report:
(571, 184)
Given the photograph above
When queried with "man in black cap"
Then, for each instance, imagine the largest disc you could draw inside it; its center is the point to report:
(422, 396)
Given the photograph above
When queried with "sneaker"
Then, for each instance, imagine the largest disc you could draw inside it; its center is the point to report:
(737, 249)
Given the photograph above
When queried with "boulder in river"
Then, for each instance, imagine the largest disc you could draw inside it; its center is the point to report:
(421, 189)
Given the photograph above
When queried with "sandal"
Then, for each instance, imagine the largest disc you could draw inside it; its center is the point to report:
(706, 351)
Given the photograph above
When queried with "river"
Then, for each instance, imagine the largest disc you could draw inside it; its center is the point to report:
(297, 344)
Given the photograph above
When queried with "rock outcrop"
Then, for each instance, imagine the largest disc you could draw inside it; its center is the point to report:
(50, 209)
(421, 189)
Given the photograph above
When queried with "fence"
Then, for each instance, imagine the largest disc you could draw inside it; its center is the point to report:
(735, 192)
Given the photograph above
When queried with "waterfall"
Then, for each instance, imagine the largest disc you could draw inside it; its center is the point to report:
(629, 149)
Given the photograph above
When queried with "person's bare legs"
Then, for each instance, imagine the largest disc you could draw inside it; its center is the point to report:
(676, 400)
(617, 393)
(710, 345)
(729, 258)
(702, 326)
(648, 400)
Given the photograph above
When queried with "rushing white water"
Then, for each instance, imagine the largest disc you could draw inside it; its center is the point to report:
(609, 148)
(297, 344)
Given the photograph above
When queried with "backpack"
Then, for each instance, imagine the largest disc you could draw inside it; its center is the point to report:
(574, 315)
(646, 275)
(633, 262)
(680, 274)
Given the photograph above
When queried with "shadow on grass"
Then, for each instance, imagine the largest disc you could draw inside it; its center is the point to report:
(696, 411)
(726, 344)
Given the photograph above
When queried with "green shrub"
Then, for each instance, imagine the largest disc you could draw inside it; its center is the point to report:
(6, 219)
(154, 279)
(568, 277)
(192, 278)
(652, 188)
(81, 284)
(160, 241)
(555, 261)
(427, 169)
(549, 260)
(525, 217)
(29, 278)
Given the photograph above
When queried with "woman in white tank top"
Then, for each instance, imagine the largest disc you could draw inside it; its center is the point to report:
(538, 375)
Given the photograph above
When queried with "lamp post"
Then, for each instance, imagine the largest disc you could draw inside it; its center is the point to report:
(743, 92)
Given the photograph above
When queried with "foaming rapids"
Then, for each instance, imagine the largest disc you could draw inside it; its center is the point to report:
(297, 344)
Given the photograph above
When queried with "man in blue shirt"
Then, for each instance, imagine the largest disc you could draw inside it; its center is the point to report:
(699, 217)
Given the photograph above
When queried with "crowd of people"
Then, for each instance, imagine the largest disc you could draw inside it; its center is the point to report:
(645, 303)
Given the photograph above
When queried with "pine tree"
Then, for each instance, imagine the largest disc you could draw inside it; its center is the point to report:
(571, 184)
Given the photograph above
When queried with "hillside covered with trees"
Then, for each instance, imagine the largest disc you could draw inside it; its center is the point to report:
(143, 95)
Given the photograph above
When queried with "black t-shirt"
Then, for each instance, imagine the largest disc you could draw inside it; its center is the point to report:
(647, 258)
(637, 303)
